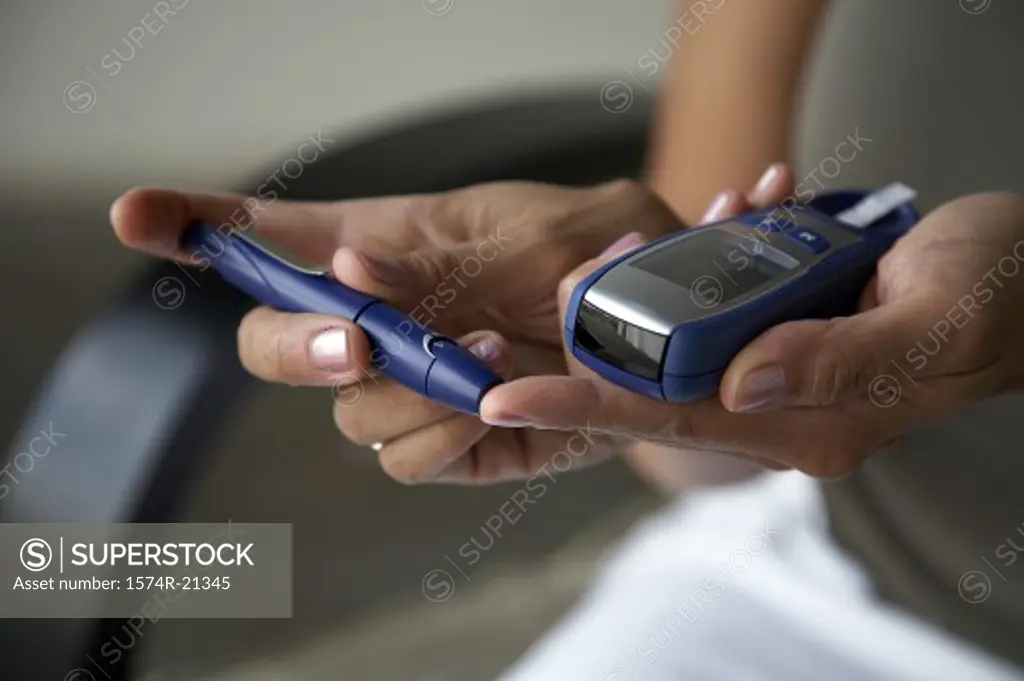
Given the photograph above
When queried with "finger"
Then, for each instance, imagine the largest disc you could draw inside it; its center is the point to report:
(506, 454)
(419, 456)
(775, 185)
(819, 363)
(301, 349)
(376, 409)
(152, 220)
(436, 282)
(451, 450)
(726, 204)
(492, 268)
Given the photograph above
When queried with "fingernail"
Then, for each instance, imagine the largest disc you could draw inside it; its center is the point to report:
(329, 350)
(762, 389)
(764, 184)
(382, 269)
(718, 206)
(507, 421)
(489, 351)
(623, 244)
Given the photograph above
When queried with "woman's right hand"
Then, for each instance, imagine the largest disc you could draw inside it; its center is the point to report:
(480, 264)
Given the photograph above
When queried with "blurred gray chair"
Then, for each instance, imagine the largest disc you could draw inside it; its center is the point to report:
(145, 390)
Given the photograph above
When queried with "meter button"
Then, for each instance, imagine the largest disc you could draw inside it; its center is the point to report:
(812, 241)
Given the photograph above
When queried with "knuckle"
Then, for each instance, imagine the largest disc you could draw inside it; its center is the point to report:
(626, 189)
(838, 371)
(348, 393)
(561, 255)
(422, 212)
(433, 266)
(830, 372)
(634, 201)
(679, 429)
(353, 423)
(402, 470)
(277, 355)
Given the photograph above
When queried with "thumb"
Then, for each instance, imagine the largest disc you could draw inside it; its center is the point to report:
(818, 363)
(433, 282)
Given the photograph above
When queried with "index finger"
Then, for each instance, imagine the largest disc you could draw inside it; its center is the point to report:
(152, 220)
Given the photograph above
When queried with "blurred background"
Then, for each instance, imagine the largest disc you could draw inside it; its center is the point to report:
(216, 100)
(225, 92)
(219, 94)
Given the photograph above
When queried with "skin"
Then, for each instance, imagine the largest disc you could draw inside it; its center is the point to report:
(823, 422)
(950, 284)
(703, 142)
(404, 249)
(707, 136)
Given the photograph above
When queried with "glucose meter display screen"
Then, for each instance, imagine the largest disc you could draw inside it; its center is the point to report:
(712, 269)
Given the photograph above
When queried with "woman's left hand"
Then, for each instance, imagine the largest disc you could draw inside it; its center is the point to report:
(939, 326)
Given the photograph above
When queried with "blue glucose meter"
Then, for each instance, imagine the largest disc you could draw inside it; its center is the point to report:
(665, 320)
(403, 349)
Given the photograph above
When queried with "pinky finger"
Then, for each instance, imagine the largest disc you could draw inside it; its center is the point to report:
(419, 456)
(507, 454)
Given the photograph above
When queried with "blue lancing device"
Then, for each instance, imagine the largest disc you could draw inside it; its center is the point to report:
(665, 320)
(402, 349)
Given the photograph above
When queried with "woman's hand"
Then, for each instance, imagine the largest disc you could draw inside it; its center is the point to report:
(938, 327)
(480, 264)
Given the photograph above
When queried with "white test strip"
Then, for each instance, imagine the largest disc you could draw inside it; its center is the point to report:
(877, 204)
